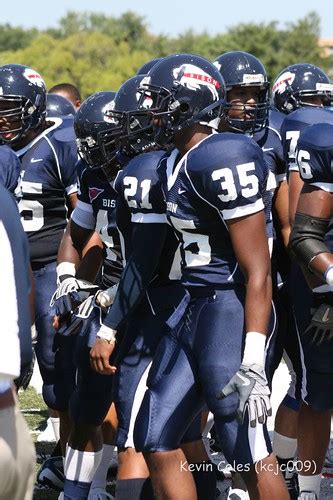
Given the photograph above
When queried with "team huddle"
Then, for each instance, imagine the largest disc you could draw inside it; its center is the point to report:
(175, 264)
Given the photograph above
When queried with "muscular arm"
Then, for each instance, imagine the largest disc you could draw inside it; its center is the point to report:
(281, 211)
(249, 240)
(71, 202)
(82, 247)
(295, 188)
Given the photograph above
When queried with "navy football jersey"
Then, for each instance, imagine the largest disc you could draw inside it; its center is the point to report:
(98, 197)
(10, 168)
(48, 175)
(292, 127)
(15, 285)
(140, 188)
(221, 178)
(314, 155)
(314, 158)
(275, 118)
(270, 142)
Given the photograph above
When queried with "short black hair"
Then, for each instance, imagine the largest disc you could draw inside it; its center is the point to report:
(67, 87)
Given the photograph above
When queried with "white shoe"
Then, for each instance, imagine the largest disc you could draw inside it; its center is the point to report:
(307, 495)
(61, 496)
(51, 473)
(237, 494)
(99, 494)
(47, 435)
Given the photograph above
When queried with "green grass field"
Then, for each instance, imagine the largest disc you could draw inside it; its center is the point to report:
(36, 414)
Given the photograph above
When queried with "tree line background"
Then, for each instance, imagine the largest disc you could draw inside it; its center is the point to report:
(99, 52)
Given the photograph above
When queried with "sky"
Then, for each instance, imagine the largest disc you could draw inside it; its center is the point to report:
(173, 17)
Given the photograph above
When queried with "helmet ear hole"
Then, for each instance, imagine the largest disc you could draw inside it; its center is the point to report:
(184, 107)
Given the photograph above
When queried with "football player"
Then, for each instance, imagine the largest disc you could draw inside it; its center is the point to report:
(48, 155)
(311, 242)
(80, 255)
(17, 453)
(184, 94)
(248, 112)
(148, 293)
(303, 92)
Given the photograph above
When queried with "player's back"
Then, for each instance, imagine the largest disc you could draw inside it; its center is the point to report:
(294, 124)
(141, 193)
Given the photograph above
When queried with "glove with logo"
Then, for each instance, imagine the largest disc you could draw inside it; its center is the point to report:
(321, 324)
(251, 384)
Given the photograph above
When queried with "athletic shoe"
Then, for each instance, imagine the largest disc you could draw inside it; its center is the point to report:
(51, 473)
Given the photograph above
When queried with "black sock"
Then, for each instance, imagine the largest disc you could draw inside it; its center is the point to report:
(135, 489)
(56, 452)
(204, 476)
(290, 476)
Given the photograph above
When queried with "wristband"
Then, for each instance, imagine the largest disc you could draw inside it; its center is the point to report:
(65, 270)
(328, 275)
(254, 351)
(107, 334)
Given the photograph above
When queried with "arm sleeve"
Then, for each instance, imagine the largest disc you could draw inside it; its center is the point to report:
(147, 244)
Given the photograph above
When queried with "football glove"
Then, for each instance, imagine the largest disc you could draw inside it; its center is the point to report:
(321, 325)
(251, 384)
(105, 298)
(72, 284)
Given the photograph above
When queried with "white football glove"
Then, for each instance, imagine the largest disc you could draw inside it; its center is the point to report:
(105, 298)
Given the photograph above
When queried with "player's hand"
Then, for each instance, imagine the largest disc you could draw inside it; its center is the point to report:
(100, 357)
(71, 284)
(105, 298)
(320, 328)
(251, 384)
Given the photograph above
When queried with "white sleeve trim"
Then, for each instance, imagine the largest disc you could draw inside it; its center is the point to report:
(281, 178)
(83, 218)
(234, 213)
(71, 189)
(10, 355)
(149, 218)
(84, 206)
(324, 186)
(293, 167)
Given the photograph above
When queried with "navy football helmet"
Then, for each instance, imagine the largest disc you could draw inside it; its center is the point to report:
(143, 70)
(179, 91)
(241, 69)
(22, 101)
(89, 122)
(58, 106)
(299, 81)
(130, 126)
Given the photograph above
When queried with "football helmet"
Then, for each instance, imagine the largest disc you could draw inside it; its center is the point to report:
(241, 69)
(58, 106)
(22, 101)
(179, 91)
(298, 81)
(135, 136)
(143, 70)
(89, 122)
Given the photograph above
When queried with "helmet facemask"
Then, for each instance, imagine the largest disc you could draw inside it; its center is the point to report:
(23, 112)
(256, 113)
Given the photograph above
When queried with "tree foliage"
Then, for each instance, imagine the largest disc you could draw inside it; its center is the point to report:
(98, 52)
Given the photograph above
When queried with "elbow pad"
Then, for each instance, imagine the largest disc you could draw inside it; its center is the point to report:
(307, 237)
